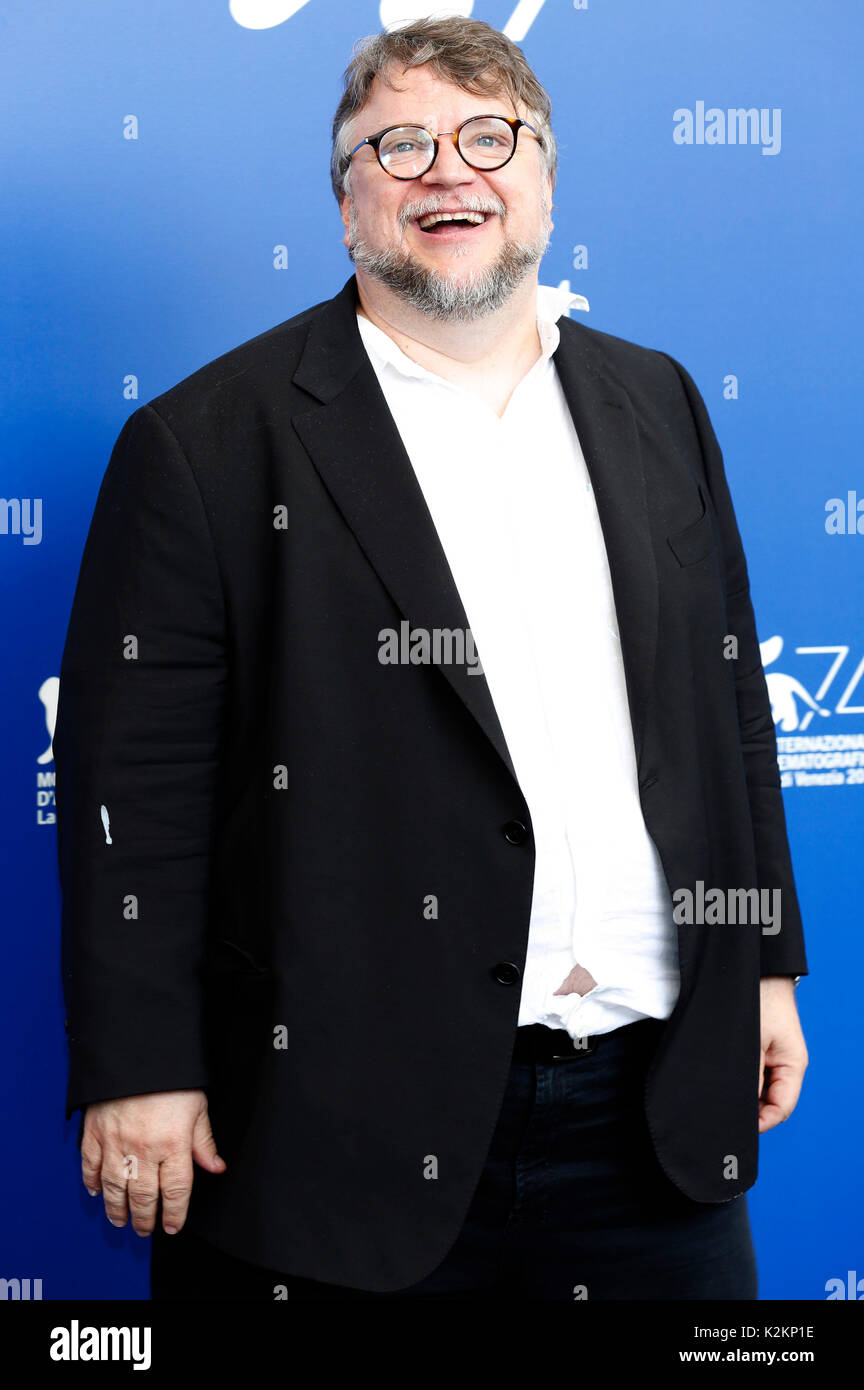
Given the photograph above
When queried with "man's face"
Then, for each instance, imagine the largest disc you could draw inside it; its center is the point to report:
(457, 274)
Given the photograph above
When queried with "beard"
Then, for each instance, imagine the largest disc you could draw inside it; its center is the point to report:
(444, 296)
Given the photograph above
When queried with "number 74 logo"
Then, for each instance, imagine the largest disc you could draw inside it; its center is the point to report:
(785, 691)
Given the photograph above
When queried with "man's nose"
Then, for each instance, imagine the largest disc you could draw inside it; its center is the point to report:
(449, 167)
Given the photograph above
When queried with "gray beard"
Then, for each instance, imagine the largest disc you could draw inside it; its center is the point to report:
(436, 294)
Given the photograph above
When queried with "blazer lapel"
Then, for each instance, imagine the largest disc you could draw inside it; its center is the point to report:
(606, 425)
(353, 441)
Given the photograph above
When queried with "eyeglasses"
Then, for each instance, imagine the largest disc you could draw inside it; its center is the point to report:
(407, 151)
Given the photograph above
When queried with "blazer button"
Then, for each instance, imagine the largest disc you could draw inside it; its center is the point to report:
(505, 972)
(515, 833)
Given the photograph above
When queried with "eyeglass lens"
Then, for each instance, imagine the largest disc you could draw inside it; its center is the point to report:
(484, 143)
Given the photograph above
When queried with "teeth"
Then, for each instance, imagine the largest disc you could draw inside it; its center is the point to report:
(431, 218)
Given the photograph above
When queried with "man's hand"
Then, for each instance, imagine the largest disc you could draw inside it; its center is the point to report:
(137, 1146)
(783, 1054)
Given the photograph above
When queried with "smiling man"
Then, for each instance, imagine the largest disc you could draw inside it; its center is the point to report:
(404, 943)
(446, 247)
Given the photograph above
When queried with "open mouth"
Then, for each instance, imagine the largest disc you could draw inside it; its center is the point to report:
(447, 225)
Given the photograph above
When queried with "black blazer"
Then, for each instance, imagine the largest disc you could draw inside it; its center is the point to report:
(247, 914)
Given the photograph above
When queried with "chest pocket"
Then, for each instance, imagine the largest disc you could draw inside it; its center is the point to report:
(695, 540)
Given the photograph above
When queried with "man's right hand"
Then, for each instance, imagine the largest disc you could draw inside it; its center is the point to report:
(138, 1146)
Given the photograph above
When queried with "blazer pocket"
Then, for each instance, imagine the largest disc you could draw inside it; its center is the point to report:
(695, 540)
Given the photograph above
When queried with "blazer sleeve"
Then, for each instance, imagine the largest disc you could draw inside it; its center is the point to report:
(137, 748)
(782, 953)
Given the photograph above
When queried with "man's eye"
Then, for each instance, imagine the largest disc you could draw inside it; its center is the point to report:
(487, 142)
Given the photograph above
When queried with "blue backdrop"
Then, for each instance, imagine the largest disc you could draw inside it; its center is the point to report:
(166, 196)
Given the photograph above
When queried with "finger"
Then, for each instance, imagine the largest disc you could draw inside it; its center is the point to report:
(770, 1116)
(787, 1079)
(175, 1183)
(781, 1096)
(91, 1164)
(761, 1071)
(204, 1146)
(114, 1189)
(142, 1194)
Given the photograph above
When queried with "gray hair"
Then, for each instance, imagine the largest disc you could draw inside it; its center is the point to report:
(470, 54)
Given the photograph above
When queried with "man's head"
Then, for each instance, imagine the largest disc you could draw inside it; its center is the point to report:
(436, 74)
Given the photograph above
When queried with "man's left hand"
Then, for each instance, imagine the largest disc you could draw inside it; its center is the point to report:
(784, 1053)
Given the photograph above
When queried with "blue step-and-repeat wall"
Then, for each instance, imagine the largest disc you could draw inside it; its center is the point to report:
(165, 196)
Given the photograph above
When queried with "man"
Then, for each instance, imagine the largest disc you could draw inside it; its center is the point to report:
(411, 686)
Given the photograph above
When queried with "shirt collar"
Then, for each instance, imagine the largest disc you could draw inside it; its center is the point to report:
(552, 302)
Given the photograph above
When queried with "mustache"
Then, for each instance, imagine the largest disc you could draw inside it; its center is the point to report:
(435, 202)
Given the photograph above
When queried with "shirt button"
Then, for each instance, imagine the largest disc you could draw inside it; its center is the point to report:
(505, 972)
(515, 832)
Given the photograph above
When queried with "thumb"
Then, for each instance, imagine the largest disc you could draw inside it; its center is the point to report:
(204, 1149)
(761, 1070)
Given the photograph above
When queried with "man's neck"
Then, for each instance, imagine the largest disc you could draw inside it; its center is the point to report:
(488, 356)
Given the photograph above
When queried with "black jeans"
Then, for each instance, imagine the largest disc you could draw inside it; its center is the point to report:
(571, 1204)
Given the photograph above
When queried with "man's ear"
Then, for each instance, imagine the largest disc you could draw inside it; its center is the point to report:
(345, 214)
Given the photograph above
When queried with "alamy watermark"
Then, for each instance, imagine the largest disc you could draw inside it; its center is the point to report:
(703, 906)
(22, 516)
(422, 646)
(738, 125)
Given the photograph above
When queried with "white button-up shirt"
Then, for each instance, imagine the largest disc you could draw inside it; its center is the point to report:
(513, 506)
